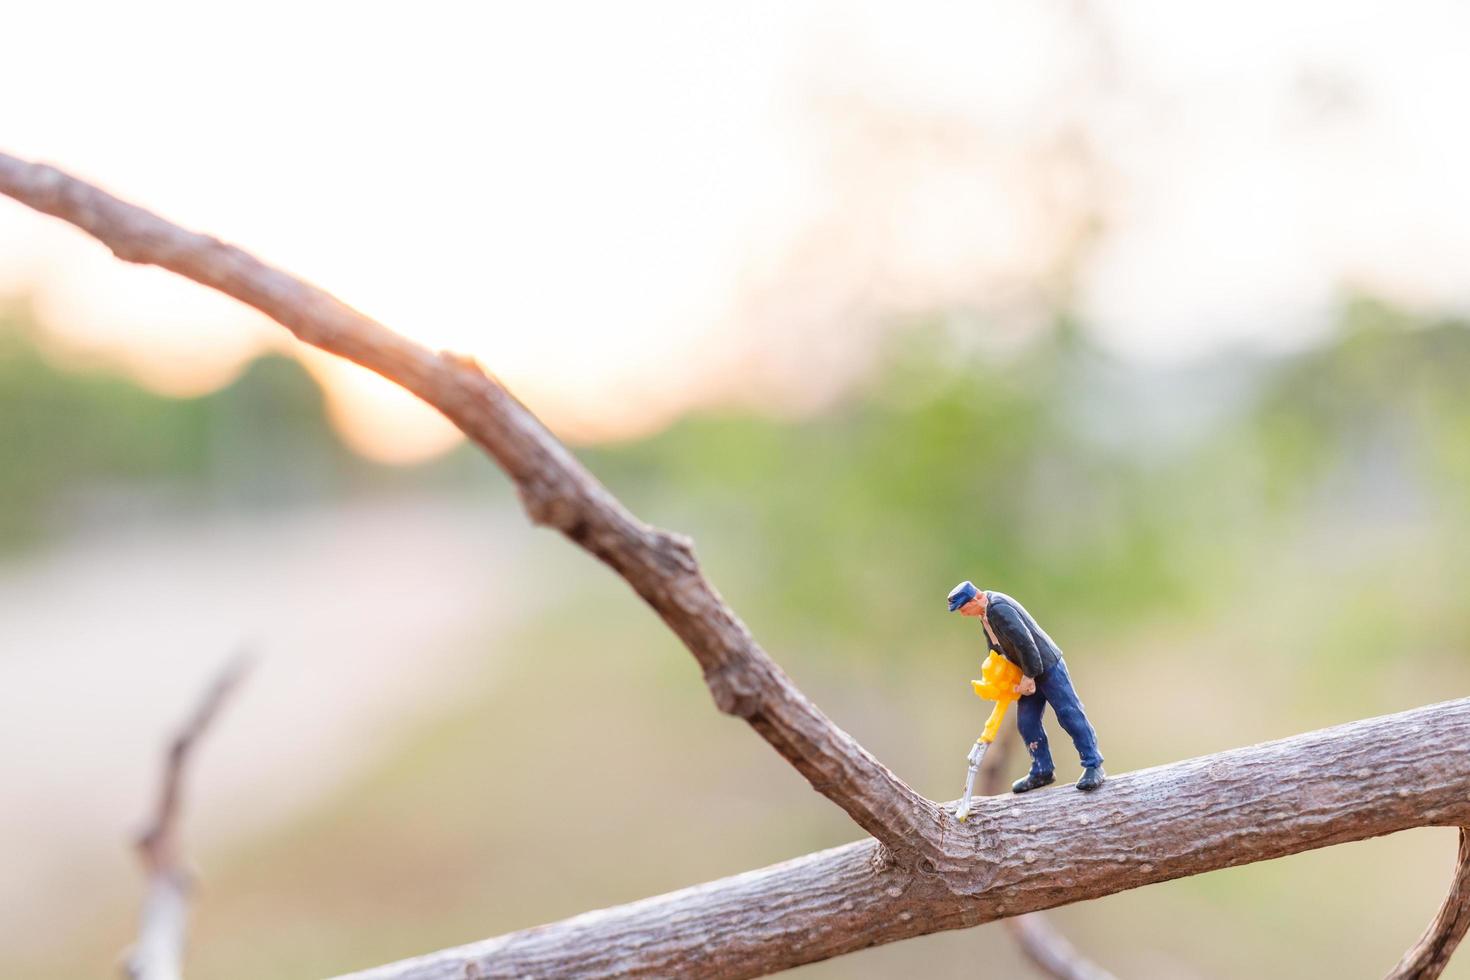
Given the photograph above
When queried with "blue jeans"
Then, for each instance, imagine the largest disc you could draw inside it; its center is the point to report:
(1054, 687)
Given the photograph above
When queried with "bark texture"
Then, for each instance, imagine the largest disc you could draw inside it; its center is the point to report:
(1017, 854)
(554, 487)
(1431, 954)
(1040, 941)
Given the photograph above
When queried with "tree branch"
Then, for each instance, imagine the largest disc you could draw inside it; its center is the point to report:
(554, 488)
(1050, 952)
(1431, 954)
(1046, 948)
(159, 952)
(1017, 854)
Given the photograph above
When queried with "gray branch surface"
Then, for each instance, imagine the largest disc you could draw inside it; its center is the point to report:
(1040, 941)
(925, 872)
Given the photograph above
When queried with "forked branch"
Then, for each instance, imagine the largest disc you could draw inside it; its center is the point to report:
(159, 951)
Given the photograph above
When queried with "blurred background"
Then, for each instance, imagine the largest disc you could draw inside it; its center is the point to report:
(1148, 314)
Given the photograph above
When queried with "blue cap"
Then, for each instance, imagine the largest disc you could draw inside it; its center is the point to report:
(962, 594)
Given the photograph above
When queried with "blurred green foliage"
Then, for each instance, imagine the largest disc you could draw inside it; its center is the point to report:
(84, 442)
(937, 472)
(1032, 473)
(1096, 490)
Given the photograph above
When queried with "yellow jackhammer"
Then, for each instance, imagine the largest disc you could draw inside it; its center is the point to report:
(998, 680)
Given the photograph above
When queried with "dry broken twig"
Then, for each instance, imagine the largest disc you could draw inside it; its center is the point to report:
(1046, 948)
(925, 872)
(159, 952)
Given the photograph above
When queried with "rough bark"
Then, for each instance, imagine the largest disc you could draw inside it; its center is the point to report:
(163, 927)
(1045, 947)
(1431, 954)
(1017, 854)
(554, 487)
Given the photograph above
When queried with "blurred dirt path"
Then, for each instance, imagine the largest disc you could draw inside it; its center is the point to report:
(363, 618)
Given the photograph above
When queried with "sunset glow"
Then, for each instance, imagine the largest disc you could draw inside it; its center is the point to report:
(625, 212)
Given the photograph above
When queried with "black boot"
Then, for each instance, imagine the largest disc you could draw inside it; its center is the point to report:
(1092, 778)
(1033, 781)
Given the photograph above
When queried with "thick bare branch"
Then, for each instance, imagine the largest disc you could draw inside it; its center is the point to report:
(159, 952)
(554, 488)
(1046, 948)
(1018, 854)
(1431, 954)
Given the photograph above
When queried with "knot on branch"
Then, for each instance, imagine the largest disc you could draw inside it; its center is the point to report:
(546, 506)
(883, 859)
(675, 551)
(735, 691)
(462, 361)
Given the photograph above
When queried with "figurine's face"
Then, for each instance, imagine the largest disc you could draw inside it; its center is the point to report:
(975, 607)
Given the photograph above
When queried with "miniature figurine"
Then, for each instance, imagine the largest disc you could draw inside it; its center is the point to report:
(1037, 677)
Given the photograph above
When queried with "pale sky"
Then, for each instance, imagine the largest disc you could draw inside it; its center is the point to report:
(625, 210)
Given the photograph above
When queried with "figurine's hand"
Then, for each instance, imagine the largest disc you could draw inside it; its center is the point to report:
(1027, 686)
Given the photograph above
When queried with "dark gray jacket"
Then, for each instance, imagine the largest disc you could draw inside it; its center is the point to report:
(1017, 637)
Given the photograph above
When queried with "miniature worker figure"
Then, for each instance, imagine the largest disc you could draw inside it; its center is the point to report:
(1014, 635)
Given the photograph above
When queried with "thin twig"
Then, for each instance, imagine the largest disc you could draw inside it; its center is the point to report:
(159, 952)
(1046, 948)
(1427, 958)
